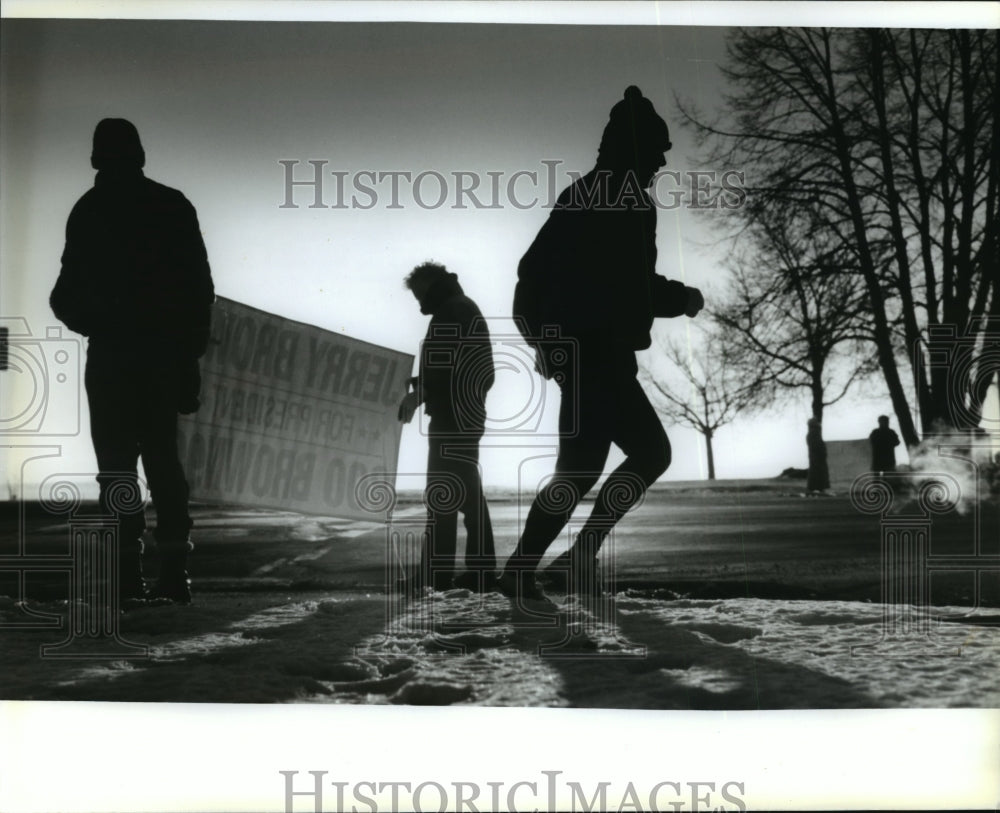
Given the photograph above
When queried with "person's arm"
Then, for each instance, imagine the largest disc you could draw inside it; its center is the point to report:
(74, 299)
(193, 312)
(528, 308)
(412, 400)
(199, 274)
(473, 374)
(670, 297)
(413, 383)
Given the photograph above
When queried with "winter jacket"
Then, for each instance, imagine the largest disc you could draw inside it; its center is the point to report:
(883, 441)
(456, 361)
(134, 269)
(591, 269)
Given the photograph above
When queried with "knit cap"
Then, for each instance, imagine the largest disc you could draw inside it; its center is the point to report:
(632, 126)
(116, 143)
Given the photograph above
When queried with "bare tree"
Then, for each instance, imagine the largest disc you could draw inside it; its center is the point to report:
(935, 96)
(699, 387)
(796, 316)
(891, 139)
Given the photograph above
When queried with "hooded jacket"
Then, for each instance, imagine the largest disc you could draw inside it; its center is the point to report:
(456, 361)
(591, 270)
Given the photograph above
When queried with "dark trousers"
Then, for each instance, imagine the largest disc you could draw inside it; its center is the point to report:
(133, 414)
(454, 484)
(601, 403)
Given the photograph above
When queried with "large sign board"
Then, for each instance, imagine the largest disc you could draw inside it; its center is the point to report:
(292, 416)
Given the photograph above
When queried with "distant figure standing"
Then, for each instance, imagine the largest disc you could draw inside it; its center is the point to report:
(883, 441)
(591, 273)
(135, 280)
(456, 372)
(818, 478)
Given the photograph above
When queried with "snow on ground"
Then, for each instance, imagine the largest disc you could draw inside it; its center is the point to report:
(635, 651)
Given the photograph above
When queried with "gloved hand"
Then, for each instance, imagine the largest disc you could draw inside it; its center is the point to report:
(695, 301)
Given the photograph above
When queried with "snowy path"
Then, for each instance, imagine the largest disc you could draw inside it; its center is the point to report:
(461, 648)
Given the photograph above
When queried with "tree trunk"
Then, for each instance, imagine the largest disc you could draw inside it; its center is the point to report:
(883, 339)
(710, 454)
(879, 42)
(816, 388)
(818, 478)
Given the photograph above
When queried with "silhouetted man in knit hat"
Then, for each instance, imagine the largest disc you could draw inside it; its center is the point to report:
(135, 280)
(591, 272)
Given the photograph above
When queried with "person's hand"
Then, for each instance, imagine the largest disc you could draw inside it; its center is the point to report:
(695, 301)
(407, 407)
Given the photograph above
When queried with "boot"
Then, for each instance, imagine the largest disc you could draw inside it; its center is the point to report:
(174, 583)
(556, 574)
(478, 581)
(584, 578)
(131, 584)
(574, 572)
(521, 584)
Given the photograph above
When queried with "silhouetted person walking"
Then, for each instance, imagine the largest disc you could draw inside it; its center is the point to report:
(591, 272)
(818, 478)
(883, 441)
(456, 372)
(135, 280)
